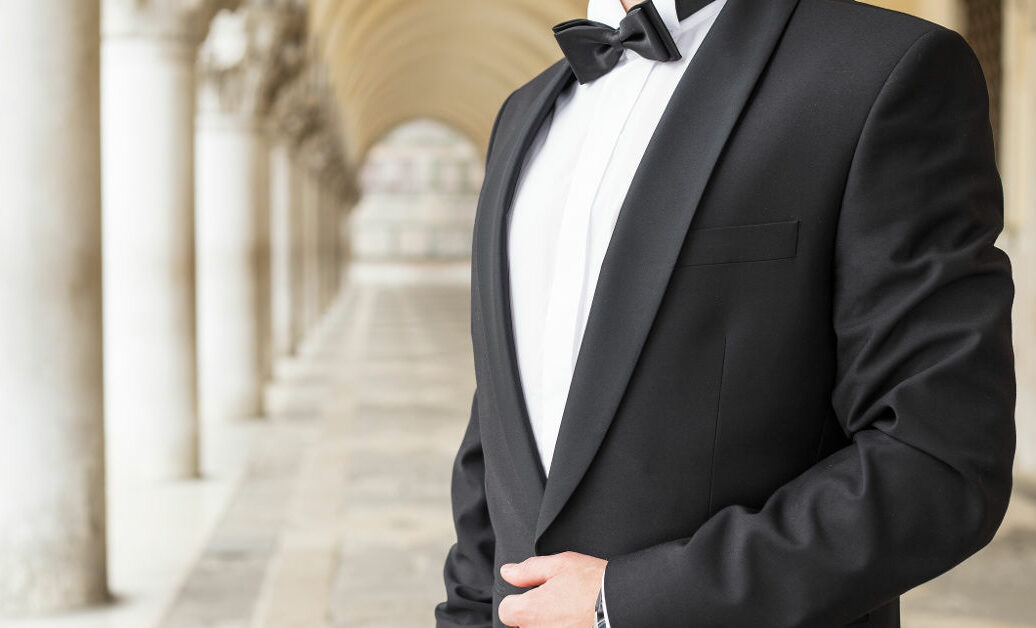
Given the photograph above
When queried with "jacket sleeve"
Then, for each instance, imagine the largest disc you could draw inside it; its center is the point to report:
(924, 386)
(468, 572)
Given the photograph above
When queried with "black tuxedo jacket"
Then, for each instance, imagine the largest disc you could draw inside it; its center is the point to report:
(794, 397)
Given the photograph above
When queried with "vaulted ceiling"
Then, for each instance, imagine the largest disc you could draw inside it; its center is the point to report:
(452, 60)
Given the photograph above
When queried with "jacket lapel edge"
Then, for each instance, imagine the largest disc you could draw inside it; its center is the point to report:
(651, 227)
(494, 287)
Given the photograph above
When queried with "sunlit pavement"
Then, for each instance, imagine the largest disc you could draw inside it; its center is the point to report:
(363, 525)
(335, 510)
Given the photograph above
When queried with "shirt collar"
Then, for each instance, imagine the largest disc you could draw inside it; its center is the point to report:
(611, 12)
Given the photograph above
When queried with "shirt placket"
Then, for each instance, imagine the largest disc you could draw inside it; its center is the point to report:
(561, 337)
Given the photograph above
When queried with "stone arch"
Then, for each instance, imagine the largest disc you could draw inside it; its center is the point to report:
(395, 60)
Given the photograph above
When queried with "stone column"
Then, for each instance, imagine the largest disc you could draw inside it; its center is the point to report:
(294, 117)
(1018, 168)
(325, 167)
(326, 244)
(335, 244)
(52, 500)
(285, 192)
(311, 200)
(345, 251)
(298, 253)
(240, 64)
(305, 115)
(148, 85)
(290, 182)
(341, 194)
(232, 179)
(350, 196)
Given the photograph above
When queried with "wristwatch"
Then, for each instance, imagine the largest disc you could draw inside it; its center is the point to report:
(601, 622)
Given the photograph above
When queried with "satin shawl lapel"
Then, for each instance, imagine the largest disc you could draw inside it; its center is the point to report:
(494, 287)
(651, 227)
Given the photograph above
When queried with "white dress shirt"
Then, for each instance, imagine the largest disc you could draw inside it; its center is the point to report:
(573, 181)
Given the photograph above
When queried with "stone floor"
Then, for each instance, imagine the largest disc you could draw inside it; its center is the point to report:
(343, 518)
(335, 512)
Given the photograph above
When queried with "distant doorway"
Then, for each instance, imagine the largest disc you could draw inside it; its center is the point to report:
(420, 186)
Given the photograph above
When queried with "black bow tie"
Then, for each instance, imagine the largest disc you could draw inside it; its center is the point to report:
(593, 48)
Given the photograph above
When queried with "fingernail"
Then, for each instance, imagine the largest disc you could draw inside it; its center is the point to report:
(506, 567)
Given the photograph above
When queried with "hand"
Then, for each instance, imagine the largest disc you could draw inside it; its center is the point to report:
(566, 591)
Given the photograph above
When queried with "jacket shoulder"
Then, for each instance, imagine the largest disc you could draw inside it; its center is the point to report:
(521, 96)
(848, 48)
(536, 83)
(861, 28)
(874, 19)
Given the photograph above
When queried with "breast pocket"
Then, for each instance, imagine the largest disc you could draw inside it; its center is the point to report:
(740, 243)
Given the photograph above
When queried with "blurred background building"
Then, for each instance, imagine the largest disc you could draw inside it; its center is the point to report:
(234, 240)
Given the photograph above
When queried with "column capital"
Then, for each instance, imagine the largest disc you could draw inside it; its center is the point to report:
(297, 114)
(338, 177)
(319, 150)
(303, 105)
(342, 179)
(250, 54)
(186, 21)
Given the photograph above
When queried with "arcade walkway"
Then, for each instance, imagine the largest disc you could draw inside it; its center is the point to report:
(342, 517)
(336, 511)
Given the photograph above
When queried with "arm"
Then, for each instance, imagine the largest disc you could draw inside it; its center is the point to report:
(924, 386)
(468, 571)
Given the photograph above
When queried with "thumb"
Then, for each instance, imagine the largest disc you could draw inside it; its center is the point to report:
(531, 572)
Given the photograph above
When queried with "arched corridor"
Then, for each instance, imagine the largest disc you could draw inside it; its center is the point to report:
(236, 240)
(336, 512)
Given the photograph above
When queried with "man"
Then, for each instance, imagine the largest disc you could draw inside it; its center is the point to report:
(741, 334)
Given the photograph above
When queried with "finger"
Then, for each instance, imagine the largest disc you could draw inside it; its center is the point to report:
(531, 572)
(517, 610)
